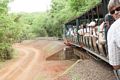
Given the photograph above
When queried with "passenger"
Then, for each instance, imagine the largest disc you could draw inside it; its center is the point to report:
(80, 31)
(92, 28)
(75, 30)
(104, 27)
(101, 38)
(94, 36)
(113, 37)
(71, 32)
(84, 29)
(108, 21)
(87, 30)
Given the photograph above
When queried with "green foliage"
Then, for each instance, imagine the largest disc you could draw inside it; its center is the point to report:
(81, 6)
(21, 26)
(41, 32)
(50, 23)
(38, 25)
(76, 4)
(16, 27)
(3, 6)
(5, 32)
(5, 51)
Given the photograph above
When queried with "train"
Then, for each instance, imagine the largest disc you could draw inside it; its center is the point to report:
(83, 31)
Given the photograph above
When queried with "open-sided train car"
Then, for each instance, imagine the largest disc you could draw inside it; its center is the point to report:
(79, 31)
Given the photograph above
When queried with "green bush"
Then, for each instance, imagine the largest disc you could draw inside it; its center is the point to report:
(5, 51)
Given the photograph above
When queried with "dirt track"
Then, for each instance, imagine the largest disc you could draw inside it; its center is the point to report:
(32, 63)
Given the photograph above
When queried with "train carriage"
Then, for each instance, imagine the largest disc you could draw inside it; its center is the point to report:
(81, 31)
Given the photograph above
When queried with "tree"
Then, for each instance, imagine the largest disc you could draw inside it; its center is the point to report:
(5, 34)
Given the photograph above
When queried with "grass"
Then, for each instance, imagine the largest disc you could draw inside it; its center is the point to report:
(15, 54)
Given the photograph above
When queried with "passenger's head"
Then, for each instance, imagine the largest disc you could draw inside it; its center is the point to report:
(109, 19)
(114, 8)
(92, 24)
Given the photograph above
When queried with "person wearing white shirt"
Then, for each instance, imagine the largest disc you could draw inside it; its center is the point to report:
(113, 37)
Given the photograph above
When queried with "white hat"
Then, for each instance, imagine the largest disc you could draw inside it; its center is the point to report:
(87, 24)
(92, 23)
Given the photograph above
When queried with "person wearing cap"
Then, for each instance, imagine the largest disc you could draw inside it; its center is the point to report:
(92, 26)
(94, 35)
(113, 37)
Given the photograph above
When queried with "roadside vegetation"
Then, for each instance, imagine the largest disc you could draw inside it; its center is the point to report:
(15, 27)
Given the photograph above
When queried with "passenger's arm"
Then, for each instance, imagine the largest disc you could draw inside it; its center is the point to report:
(116, 67)
(102, 26)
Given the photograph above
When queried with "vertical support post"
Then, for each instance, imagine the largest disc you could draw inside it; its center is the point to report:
(78, 24)
(92, 15)
(88, 17)
(64, 31)
(104, 5)
(98, 15)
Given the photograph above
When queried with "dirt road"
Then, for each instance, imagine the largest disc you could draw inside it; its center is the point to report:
(32, 64)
